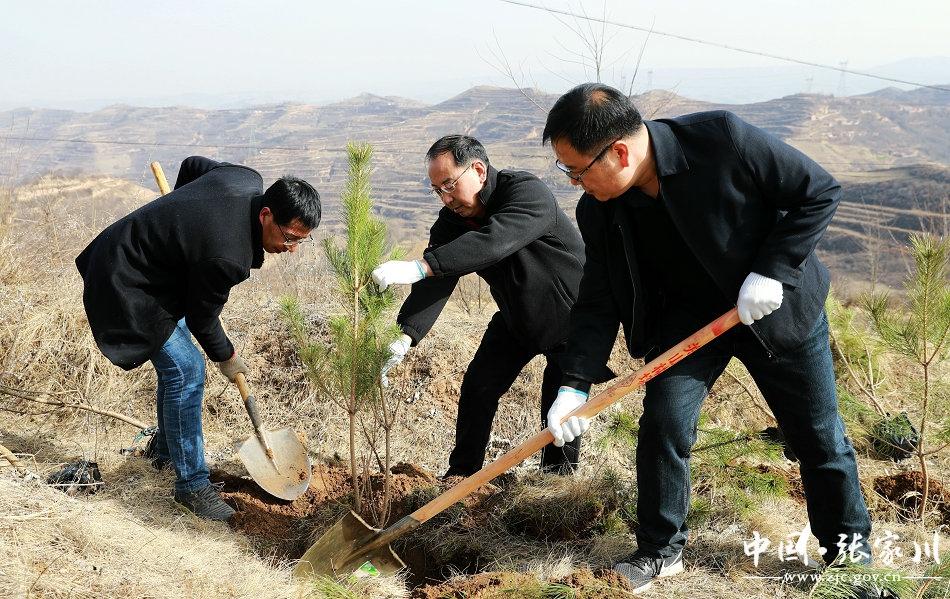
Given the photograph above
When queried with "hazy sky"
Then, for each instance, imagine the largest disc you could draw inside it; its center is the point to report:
(89, 53)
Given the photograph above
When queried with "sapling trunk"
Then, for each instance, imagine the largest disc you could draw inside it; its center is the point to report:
(920, 333)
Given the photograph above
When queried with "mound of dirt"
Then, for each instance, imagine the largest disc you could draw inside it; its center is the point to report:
(556, 518)
(288, 527)
(599, 584)
(603, 584)
(906, 488)
(480, 586)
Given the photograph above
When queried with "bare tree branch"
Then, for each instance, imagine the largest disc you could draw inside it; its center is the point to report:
(636, 68)
(503, 66)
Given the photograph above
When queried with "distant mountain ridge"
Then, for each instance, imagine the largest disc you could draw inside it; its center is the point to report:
(890, 148)
(879, 130)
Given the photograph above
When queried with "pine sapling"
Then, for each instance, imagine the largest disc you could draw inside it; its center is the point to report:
(920, 333)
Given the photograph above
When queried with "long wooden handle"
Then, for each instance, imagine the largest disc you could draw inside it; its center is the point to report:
(592, 407)
(160, 178)
(241, 383)
(250, 404)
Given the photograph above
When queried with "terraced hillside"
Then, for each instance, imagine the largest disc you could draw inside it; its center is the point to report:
(890, 149)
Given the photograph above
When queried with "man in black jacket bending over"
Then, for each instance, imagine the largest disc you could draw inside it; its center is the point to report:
(682, 219)
(163, 273)
(507, 227)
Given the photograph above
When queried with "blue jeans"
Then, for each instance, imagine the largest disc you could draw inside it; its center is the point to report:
(799, 387)
(181, 381)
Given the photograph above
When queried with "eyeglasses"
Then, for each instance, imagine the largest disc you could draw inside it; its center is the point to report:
(291, 242)
(577, 177)
(449, 187)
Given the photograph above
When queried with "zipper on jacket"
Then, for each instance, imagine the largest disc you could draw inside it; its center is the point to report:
(768, 350)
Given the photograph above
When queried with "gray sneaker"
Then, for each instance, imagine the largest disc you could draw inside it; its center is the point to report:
(640, 569)
(205, 503)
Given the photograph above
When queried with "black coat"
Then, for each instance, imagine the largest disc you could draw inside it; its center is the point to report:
(743, 201)
(526, 249)
(177, 256)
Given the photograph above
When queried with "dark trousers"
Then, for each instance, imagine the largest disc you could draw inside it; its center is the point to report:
(799, 387)
(496, 364)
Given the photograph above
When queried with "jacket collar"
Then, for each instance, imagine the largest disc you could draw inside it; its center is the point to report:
(257, 232)
(488, 188)
(667, 152)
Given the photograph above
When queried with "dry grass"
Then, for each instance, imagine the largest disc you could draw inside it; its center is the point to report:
(130, 540)
(52, 545)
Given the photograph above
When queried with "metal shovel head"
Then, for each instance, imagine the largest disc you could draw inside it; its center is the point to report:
(291, 477)
(337, 552)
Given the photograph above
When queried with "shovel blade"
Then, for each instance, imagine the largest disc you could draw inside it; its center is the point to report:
(337, 552)
(291, 476)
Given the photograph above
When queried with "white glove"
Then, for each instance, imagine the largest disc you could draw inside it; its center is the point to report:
(759, 296)
(398, 272)
(398, 350)
(568, 400)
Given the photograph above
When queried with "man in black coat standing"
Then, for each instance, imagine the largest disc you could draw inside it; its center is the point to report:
(163, 273)
(507, 227)
(682, 219)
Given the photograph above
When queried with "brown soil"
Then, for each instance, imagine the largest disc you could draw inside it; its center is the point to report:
(599, 584)
(603, 584)
(282, 526)
(480, 586)
(906, 488)
(413, 471)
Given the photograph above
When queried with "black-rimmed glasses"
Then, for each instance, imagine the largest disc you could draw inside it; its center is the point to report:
(291, 242)
(577, 177)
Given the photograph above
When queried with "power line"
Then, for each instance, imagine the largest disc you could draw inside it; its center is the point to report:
(653, 31)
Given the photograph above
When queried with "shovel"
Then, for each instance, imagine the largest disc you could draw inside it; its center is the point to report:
(351, 544)
(276, 460)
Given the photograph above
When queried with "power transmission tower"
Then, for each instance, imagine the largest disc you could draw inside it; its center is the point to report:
(844, 67)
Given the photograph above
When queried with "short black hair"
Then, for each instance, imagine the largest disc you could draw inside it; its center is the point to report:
(465, 150)
(289, 198)
(590, 116)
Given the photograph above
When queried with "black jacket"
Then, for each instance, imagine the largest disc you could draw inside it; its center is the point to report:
(743, 200)
(177, 256)
(526, 249)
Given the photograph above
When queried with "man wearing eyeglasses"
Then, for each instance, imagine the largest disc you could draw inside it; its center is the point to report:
(507, 227)
(683, 219)
(163, 273)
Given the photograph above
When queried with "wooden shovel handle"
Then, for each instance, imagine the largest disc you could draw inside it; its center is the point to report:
(250, 402)
(160, 177)
(592, 407)
(241, 381)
